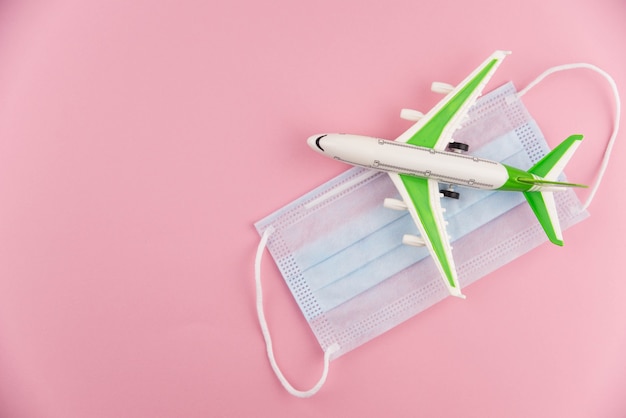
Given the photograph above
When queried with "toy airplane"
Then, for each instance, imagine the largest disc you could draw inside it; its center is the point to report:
(425, 156)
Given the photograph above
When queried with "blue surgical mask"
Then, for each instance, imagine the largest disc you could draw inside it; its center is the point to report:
(340, 252)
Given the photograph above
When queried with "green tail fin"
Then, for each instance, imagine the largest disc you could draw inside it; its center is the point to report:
(543, 182)
(550, 166)
(544, 207)
(548, 169)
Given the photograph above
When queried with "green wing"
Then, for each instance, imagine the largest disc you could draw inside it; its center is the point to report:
(435, 129)
(423, 201)
(422, 195)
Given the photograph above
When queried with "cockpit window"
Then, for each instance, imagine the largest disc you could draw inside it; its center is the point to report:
(317, 142)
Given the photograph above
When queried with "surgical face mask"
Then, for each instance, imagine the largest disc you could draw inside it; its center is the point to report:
(340, 252)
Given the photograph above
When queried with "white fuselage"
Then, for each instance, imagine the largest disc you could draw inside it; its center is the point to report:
(390, 156)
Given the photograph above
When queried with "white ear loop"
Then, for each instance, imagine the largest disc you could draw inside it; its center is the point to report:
(609, 145)
(266, 332)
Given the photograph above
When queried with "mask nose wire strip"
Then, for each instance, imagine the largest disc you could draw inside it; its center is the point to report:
(616, 121)
(266, 332)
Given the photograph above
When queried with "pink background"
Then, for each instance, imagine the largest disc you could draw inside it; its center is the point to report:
(140, 140)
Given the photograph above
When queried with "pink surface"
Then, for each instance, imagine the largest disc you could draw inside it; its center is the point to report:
(140, 140)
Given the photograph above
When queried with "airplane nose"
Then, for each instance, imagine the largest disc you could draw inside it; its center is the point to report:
(315, 142)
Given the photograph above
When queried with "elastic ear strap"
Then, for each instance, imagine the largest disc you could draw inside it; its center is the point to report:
(609, 145)
(266, 332)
